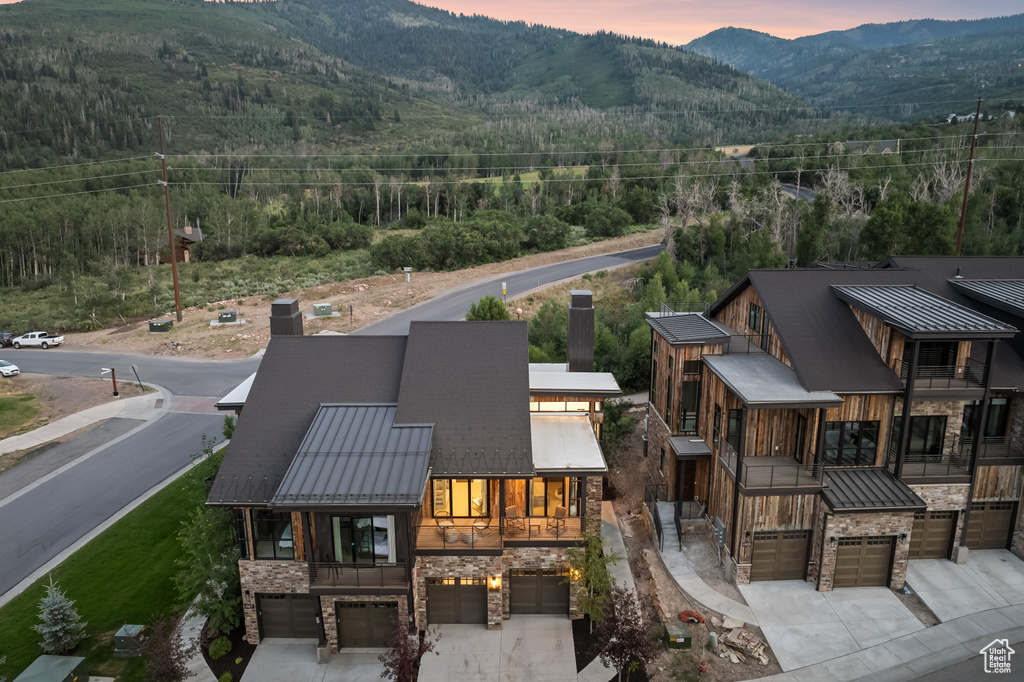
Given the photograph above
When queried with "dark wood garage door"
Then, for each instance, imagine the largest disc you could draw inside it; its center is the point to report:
(989, 525)
(932, 534)
(289, 615)
(779, 555)
(863, 561)
(456, 600)
(538, 591)
(366, 624)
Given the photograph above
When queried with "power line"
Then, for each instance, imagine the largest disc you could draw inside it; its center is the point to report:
(92, 177)
(71, 194)
(75, 165)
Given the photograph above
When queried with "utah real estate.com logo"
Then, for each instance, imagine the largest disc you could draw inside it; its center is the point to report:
(997, 656)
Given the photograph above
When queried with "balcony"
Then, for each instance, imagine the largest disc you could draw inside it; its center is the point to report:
(953, 466)
(945, 377)
(767, 472)
(993, 450)
(467, 539)
(336, 575)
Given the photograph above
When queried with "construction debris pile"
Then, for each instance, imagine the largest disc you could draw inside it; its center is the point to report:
(736, 644)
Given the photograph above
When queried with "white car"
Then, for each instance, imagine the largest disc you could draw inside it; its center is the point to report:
(37, 339)
(8, 369)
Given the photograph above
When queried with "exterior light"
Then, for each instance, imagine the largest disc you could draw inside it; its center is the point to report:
(574, 574)
(832, 541)
(494, 582)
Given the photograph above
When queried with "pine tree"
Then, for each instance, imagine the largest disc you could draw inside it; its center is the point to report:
(62, 628)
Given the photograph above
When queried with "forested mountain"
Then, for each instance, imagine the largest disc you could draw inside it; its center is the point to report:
(931, 67)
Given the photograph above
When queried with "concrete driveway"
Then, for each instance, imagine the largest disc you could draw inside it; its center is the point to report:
(804, 626)
(527, 648)
(990, 579)
(294, 660)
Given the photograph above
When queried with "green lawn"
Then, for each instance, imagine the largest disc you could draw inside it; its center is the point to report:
(124, 575)
(15, 412)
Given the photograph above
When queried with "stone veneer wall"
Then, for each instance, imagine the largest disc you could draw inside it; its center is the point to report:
(464, 566)
(272, 577)
(328, 601)
(943, 497)
(536, 558)
(594, 490)
(657, 439)
(855, 524)
(952, 409)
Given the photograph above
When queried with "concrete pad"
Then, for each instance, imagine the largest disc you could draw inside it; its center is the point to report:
(460, 667)
(797, 646)
(940, 659)
(992, 621)
(865, 604)
(535, 641)
(997, 566)
(936, 574)
(907, 648)
(276, 659)
(526, 666)
(936, 639)
(870, 633)
(846, 668)
(458, 639)
(353, 667)
(1015, 613)
(787, 602)
(950, 604)
(962, 629)
(878, 658)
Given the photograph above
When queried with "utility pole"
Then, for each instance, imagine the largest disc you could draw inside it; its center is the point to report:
(967, 184)
(170, 230)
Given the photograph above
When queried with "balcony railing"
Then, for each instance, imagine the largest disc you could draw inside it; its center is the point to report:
(771, 471)
(971, 375)
(951, 464)
(466, 538)
(991, 447)
(333, 574)
(458, 537)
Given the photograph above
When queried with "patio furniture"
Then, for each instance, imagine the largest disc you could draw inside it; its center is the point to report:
(444, 521)
(451, 534)
(469, 535)
(558, 520)
(513, 522)
(482, 525)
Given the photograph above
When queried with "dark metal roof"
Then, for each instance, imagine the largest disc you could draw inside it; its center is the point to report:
(1005, 294)
(761, 381)
(296, 375)
(681, 328)
(356, 454)
(868, 490)
(921, 314)
(471, 381)
(689, 447)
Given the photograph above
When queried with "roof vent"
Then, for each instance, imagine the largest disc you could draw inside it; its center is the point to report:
(958, 275)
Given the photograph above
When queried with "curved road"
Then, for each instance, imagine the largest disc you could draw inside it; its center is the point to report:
(48, 517)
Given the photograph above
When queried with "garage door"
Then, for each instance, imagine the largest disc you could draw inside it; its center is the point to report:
(289, 615)
(863, 561)
(538, 591)
(989, 525)
(932, 534)
(779, 555)
(456, 600)
(366, 624)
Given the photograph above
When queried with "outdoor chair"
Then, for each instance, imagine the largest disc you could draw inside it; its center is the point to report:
(558, 520)
(482, 524)
(513, 522)
(444, 521)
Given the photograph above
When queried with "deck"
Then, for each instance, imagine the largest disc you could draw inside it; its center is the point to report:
(774, 472)
(463, 538)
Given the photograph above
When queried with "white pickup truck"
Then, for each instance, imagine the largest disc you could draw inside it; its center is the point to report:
(40, 339)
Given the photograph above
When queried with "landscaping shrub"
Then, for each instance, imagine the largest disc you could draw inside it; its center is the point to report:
(220, 647)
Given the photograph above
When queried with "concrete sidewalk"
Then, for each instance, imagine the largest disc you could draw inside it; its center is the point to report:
(143, 407)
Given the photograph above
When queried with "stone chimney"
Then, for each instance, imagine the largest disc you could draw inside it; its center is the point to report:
(580, 337)
(285, 319)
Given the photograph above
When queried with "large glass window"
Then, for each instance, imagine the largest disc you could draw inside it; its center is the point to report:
(463, 497)
(544, 494)
(927, 434)
(754, 319)
(364, 539)
(995, 425)
(733, 435)
(272, 534)
(850, 443)
(689, 401)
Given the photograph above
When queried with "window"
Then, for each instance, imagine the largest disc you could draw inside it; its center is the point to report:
(661, 467)
(241, 533)
(668, 401)
(850, 444)
(733, 435)
(691, 366)
(272, 534)
(689, 399)
(544, 494)
(463, 497)
(363, 539)
(995, 425)
(716, 429)
(927, 434)
(754, 320)
(654, 382)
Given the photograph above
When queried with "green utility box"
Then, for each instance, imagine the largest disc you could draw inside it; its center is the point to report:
(227, 316)
(160, 325)
(128, 640)
(322, 309)
(55, 669)
(677, 636)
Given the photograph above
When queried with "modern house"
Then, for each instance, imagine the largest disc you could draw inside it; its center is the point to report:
(834, 424)
(437, 477)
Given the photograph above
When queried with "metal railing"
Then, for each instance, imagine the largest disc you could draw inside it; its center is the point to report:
(756, 472)
(651, 500)
(991, 447)
(539, 528)
(334, 574)
(954, 463)
(971, 375)
(743, 344)
(466, 536)
(670, 307)
(688, 511)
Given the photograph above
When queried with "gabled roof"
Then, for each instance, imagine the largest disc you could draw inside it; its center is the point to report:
(1005, 294)
(868, 489)
(471, 381)
(356, 454)
(683, 328)
(296, 375)
(921, 314)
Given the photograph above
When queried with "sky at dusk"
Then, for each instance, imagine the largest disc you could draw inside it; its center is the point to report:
(680, 21)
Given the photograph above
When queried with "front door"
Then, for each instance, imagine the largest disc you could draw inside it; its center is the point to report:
(688, 480)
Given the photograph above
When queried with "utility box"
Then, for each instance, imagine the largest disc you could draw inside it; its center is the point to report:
(677, 636)
(227, 316)
(55, 669)
(160, 326)
(322, 309)
(128, 640)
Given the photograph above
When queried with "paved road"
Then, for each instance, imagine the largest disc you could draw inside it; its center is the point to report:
(38, 524)
(453, 305)
(802, 193)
